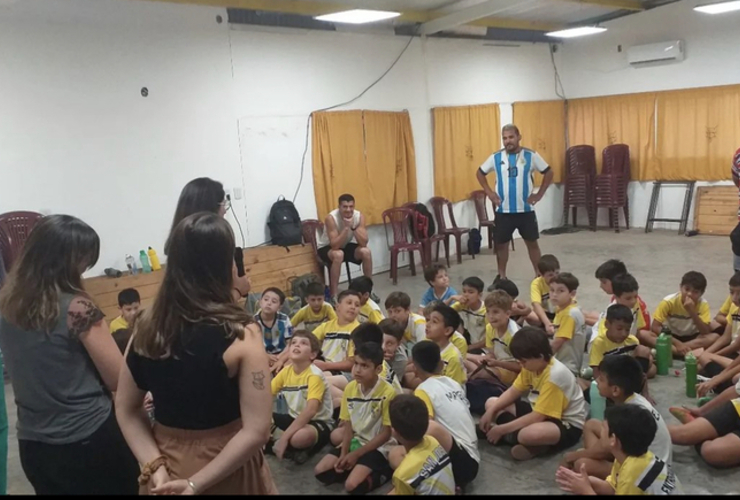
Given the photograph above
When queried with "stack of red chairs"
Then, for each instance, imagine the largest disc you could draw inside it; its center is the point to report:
(580, 171)
(611, 185)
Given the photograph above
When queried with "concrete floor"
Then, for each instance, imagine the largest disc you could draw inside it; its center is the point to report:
(657, 260)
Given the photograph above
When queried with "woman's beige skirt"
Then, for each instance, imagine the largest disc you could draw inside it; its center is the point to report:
(190, 451)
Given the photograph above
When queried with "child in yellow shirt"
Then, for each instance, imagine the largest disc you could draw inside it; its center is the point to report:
(316, 311)
(369, 310)
(129, 303)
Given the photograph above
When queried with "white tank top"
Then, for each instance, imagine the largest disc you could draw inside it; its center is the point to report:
(324, 236)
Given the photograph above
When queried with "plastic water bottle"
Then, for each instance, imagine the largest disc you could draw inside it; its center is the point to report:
(690, 362)
(664, 358)
(131, 264)
(145, 267)
(154, 259)
(598, 402)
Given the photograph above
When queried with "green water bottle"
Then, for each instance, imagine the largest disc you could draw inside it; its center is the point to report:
(690, 362)
(354, 444)
(664, 354)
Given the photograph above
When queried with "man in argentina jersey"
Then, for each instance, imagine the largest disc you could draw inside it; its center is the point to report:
(514, 196)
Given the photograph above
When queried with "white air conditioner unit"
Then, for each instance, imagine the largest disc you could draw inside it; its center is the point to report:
(641, 55)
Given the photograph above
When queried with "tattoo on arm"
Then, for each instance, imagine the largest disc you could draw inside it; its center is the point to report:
(81, 316)
(258, 380)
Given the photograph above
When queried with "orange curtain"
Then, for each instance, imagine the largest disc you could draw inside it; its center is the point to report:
(369, 154)
(464, 137)
(698, 132)
(542, 125)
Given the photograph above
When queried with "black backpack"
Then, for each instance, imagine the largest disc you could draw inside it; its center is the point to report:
(474, 240)
(424, 215)
(285, 224)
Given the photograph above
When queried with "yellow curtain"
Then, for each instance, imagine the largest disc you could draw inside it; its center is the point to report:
(464, 137)
(366, 153)
(542, 125)
(622, 119)
(698, 132)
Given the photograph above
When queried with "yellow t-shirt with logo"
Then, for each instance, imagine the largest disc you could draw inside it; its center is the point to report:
(474, 320)
(118, 324)
(500, 348)
(459, 341)
(540, 293)
(368, 413)
(299, 388)
(335, 340)
(370, 312)
(453, 364)
(312, 319)
(725, 309)
(673, 314)
(415, 330)
(570, 324)
(425, 470)
(390, 376)
(603, 347)
(643, 475)
(638, 321)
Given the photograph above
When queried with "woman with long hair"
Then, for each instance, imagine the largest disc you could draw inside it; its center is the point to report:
(206, 195)
(63, 364)
(202, 358)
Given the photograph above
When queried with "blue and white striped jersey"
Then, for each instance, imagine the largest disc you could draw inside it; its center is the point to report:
(514, 178)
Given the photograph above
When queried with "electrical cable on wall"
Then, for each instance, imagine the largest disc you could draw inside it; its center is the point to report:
(357, 97)
(231, 206)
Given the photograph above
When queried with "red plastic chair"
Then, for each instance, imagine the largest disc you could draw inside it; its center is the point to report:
(479, 200)
(428, 241)
(580, 171)
(309, 228)
(438, 204)
(610, 188)
(398, 219)
(14, 230)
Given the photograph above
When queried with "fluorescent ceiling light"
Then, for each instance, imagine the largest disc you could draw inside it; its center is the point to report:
(358, 16)
(574, 32)
(718, 8)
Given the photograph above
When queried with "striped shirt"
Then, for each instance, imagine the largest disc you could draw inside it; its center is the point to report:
(514, 178)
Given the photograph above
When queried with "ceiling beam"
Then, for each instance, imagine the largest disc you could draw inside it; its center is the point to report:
(634, 5)
(462, 16)
(318, 8)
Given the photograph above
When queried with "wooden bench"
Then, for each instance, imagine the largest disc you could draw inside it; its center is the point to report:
(716, 210)
(269, 266)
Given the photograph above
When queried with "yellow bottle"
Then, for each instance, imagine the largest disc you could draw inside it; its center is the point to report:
(154, 260)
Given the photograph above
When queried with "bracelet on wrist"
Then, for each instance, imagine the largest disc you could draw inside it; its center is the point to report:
(192, 486)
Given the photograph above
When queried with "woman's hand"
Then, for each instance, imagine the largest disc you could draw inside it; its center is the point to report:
(176, 487)
(159, 478)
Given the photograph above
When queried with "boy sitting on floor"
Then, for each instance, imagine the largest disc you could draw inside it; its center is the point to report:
(620, 379)
(554, 416)
(393, 354)
(361, 460)
(625, 292)
(426, 468)
(369, 310)
(308, 423)
(548, 267)
(457, 339)
(498, 361)
(316, 311)
(724, 350)
(275, 325)
(686, 315)
(472, 312)
(636, 471)
(370, 332)
(439, 286)
(129, 303)
(520, 311)
(398, 306)
(569, 325)
(443, 323)
(606, 273)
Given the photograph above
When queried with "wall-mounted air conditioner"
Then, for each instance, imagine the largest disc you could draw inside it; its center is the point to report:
(641, 55)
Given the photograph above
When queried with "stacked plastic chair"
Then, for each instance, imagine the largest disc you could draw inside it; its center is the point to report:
(610, 187)
(580, 171)
(14, 230)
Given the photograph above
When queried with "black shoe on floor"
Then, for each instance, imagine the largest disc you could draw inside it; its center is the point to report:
(495, 282)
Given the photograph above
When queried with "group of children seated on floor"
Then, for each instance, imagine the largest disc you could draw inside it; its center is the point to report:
(391, 394)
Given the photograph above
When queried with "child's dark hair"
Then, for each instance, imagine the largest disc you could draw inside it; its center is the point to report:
(312, 340)
(128, 296)
(392, 328)
(398, 299)
(409, 417)
(474, 282)
(548, 264)
(430, 273)
(367, 332)
(498, 299)
(277, 292)
(450, 317)
(507, 286)
(427, 356)
(122, 338)
(370, 351)
(633, 425)
(363, 284)
(346, 293)
(735, 280)
(695, 280)
(568, 280)
(624, 283)
(609, 269)
(314, 289)
(530, 342)
(618, 312)
(623, 371)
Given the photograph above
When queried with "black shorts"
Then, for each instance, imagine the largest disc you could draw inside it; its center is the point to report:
(349, 254)
(687, 338)
(569, 435)
(724, 419)
(644, 363)
(526, 223)
(323, 429)
(374, 461)
(464, 467)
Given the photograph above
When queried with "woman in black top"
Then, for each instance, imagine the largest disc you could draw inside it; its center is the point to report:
(203, 360)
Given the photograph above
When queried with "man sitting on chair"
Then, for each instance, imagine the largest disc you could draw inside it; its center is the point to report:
(345, 239)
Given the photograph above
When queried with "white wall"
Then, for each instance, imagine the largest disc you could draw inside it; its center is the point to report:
(593, 66)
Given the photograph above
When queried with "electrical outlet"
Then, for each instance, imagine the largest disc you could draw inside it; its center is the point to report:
(237, 193)
(228, 193)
